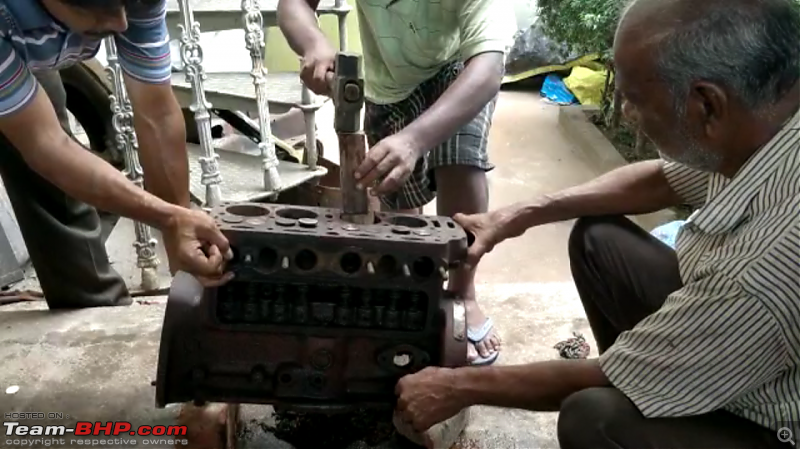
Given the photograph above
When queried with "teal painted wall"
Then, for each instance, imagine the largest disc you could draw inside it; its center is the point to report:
(281, 58)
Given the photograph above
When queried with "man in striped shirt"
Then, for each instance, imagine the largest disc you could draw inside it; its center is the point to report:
(49, 176)
(699, 347)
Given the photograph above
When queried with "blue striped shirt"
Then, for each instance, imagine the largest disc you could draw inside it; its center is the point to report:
(730, 338)
(31, 39)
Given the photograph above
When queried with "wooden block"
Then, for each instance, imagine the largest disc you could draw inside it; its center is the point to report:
(441, 436)
(211, 426)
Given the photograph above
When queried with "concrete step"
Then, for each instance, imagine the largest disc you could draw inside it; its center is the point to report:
(243, 177)
(216, 15)
(236, 92)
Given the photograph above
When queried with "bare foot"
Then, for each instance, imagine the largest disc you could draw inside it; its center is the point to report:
(476, 320)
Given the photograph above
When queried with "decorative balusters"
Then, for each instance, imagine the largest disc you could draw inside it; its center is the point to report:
(125, 139)
(254, 41)
(340, 4)
(192, 58)
(309, 111)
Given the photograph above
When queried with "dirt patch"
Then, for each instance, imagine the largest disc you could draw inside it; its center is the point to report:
(624, 141)
(372, 428)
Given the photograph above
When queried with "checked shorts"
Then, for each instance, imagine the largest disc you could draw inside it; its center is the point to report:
(468, 146)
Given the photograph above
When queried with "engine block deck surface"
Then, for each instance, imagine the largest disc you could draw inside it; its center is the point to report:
(322, 314)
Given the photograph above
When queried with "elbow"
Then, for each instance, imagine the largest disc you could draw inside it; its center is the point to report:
(488, 70)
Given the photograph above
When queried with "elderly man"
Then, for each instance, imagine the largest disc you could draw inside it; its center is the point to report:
(432, 73)
(698, 346)
(48, 175)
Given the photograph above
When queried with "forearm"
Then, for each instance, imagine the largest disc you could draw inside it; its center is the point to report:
(634, 189)
(86, 177)
(475, 86)
(162, 152)
(540, 386)
(298, 23)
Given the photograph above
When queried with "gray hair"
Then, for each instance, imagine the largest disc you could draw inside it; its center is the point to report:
(750, 47)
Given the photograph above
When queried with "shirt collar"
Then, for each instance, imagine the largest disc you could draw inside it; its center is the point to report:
(728, 207)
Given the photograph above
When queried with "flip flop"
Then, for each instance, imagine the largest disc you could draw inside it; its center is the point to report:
(478, 335)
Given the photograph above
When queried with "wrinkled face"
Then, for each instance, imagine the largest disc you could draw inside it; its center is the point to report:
(680, 136)
(95, 22)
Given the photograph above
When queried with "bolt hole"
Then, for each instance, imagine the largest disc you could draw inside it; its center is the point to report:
(267, 258)
(470, 238)
(387, 266)
(451, 225)
(247, 210)
(350, 263)
(316, 381)
(305, 260)
(402, 359)
(295, 214)
(285, 378)
(424, 267)
(329, 216)
(436, 223)
(332, 233)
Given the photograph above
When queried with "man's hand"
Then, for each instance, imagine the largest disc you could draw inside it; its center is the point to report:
(317, 67)
(488, 229)
(427, 398)
(392, 160)
(200, 248)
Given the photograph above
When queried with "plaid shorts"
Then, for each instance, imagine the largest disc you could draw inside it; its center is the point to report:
(468, 146)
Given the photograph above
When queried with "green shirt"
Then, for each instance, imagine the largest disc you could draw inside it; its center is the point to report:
(406, 42)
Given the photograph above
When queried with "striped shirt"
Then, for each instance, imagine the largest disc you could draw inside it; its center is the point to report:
(730, 338)
(31, 39)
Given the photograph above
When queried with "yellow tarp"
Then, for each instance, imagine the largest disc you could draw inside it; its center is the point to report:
(587, 84)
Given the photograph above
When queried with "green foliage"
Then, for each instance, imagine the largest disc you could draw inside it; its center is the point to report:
(585, 26)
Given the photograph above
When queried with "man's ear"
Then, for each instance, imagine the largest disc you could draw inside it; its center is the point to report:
(708, 107)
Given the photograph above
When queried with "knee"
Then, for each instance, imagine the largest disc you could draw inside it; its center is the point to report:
(588, 230)
(589, 418)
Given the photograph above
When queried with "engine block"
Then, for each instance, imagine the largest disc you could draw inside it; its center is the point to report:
(322, 314)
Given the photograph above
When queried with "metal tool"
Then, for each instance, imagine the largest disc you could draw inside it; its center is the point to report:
(347, 91)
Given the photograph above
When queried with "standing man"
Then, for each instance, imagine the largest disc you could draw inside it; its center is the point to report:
(49, 175)
(698, 345)
(432, 74)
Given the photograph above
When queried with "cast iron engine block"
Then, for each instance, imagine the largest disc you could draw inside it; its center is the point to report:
(322, 314)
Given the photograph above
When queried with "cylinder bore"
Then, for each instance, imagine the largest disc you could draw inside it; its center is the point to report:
(267, 258)
(247, 210)
(350, 262)
(424, 267)
(409, 222)
(296, 213)
(387, 266)
(305, 260)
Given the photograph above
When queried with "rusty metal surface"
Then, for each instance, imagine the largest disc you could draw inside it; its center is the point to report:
(323, 315)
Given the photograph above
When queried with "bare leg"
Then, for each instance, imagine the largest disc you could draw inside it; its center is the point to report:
(463, 189)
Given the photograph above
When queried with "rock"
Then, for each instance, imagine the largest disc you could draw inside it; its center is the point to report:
(441, 436)
(211, 426)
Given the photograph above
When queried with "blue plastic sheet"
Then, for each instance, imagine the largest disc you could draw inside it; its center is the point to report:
(556, 91)
(668, 233)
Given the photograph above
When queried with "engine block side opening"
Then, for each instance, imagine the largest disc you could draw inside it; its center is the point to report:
(306, 259)
(350, 262)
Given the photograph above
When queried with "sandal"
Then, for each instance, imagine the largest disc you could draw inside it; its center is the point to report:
(478, 335)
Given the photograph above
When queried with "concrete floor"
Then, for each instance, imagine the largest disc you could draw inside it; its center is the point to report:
(97, 364)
